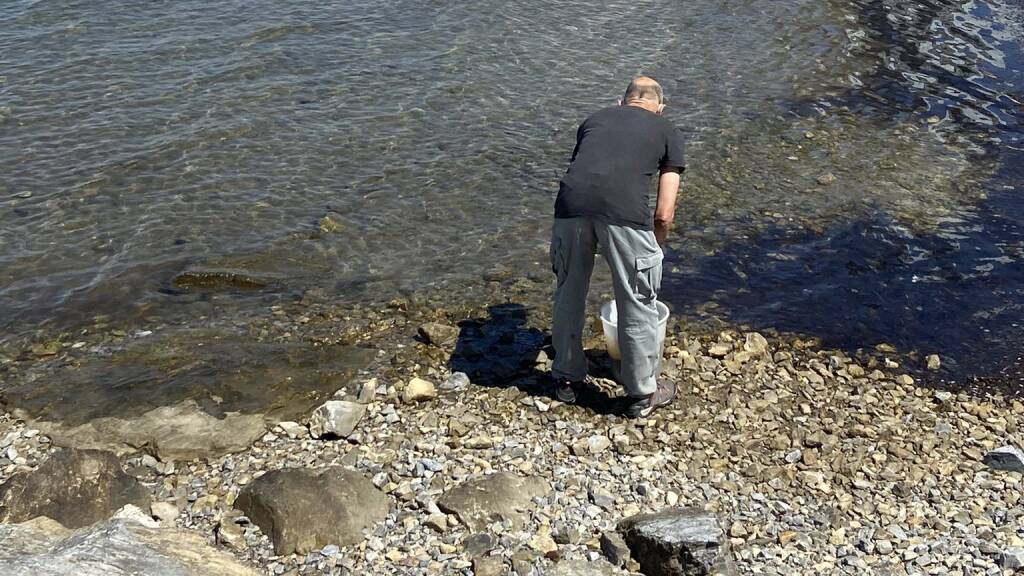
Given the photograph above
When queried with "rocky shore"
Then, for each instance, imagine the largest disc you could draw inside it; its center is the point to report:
(447, 455)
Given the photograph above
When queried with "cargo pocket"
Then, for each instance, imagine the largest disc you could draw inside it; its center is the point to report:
(555, 253)
(648, 276)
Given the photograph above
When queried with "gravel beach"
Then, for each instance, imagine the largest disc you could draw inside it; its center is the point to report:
(810, 462)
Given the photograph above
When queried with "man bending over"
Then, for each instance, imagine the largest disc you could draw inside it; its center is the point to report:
(603, 205)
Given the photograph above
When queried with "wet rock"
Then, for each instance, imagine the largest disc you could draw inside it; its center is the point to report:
(418, 390)
(677, 542)
(439, 334)
(826, 179)
(501, 496)
(118, 547)
(304, 510)
(218, 280)
(615, 548)
(329, 224)
(933, 362)
(73, 487)
(336, 419)
(179, 432)
(1007, 458)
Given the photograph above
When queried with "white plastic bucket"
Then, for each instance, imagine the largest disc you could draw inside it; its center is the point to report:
(610, 319)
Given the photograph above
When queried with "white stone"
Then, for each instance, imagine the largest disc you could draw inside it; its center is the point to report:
(336, 418)
(165, 512)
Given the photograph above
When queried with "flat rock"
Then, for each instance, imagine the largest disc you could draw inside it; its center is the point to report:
(179, 432)
(439, 334)
(584, 568)
(500, 496)
(74, 487)
(677, 542)
(116, 547)
(336, 419)
(304, 510)
(1008, 458)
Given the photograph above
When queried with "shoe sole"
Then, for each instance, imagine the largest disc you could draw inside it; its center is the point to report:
(645, 412)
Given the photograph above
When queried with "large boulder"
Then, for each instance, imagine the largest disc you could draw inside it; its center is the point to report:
(496, 497)
(304, 510)
(678, 542)
(122, 546)
(74, 487)
(179, 432)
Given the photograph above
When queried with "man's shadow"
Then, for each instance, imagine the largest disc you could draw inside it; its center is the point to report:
(501, 351)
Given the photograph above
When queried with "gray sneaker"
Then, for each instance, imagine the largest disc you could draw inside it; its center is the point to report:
(643, 407)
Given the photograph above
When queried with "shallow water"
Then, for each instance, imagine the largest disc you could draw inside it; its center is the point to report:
(141, 141)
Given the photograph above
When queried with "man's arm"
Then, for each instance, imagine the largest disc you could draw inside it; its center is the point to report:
(665, 210)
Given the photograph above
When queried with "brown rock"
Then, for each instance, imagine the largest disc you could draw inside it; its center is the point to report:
(304, 510)
(74, 487)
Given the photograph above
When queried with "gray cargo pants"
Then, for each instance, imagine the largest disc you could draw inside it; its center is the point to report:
(635, 261)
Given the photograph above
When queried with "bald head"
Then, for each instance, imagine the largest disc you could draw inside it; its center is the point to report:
(644, 88)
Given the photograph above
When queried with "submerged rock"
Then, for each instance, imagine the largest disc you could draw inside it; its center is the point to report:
(304, 510)
(218, 280)
(180, 432)
(439, 334)
(677, 542)
(73, 487)
(116, 547)
(501, 496)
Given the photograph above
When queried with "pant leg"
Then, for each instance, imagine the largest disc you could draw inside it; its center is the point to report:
(635, 261)
(573, 245)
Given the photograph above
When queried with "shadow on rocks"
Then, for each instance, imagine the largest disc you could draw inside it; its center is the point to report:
(504, 351)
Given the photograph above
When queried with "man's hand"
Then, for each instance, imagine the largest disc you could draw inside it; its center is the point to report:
(665, 211)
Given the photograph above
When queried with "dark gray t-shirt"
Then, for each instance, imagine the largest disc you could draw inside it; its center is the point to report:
(618, 150)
